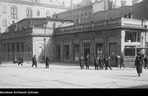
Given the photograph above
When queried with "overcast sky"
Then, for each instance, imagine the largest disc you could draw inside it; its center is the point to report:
(67, 2)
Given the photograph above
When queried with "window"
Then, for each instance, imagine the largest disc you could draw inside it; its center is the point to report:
(28, 12)
(38, 13)
(132, 36)
(4, 22)
(129, 51)
(4, 9)
(48, 13)
(130, 15)
(14, 12)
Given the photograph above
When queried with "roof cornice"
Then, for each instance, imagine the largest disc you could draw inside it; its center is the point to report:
(34, 4)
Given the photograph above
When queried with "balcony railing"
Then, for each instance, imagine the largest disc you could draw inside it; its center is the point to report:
(99, 25)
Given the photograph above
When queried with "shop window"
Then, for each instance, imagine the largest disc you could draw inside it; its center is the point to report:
(130, 52)
(132, 36)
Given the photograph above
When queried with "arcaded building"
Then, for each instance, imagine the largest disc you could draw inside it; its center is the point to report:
(120, 36)
(28, 37)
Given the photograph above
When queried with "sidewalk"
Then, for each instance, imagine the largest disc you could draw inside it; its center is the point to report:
(55, 65)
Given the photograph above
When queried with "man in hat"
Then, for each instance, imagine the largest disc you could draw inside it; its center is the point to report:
(138, 63)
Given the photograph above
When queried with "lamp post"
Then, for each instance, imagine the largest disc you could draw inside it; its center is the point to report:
(45, 27)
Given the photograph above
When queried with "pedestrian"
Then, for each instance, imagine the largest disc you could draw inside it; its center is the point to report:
(34, 62)
(138, 64)
(81, 62)
(96, 63)
(122, 62)
(15, 60)
(107, 63)
(47, 62)
(145, 62)
(20, 60)
(87, 61)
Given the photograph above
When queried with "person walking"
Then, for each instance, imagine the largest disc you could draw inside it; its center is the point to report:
(122, 62)
(138, 64)
(107, 63)
(34, 62)
(87, 61)
(20, 60)
(81, 62)
(145, 62)
(47, 62)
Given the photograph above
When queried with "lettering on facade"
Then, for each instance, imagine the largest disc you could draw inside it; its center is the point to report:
(112, 39)
(76, 41)
(86, 41)
(98, 39)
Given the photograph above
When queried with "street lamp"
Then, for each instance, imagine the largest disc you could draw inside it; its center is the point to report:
(45, 27)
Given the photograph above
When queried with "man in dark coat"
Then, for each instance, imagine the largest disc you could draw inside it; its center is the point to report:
(122, 62)
(81, 62)
(107, 63)
(145, 62)
(34, 62)
(87, 61)
(138, 64)
(20, 60)
(96, 63)
(47, 62)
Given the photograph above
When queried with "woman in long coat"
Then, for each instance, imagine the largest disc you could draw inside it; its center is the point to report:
(138, 64)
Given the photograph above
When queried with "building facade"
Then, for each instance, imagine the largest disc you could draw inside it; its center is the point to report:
(120, 36)
(106, 9)
(16, 10)
(28, 37)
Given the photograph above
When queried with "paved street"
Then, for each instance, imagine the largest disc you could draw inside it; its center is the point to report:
(13, 76)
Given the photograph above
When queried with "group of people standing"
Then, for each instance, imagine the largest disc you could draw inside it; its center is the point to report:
(20, 61)
(99, 62)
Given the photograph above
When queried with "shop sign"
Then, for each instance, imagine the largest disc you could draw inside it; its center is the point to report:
(86, 41)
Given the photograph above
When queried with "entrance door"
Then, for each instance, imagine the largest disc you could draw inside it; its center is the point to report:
(99, 49)
(86, 50)
(113, 54)
(76, 53)
(58, 53)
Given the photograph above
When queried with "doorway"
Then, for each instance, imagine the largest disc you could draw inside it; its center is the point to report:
(86, 50)
(58, 54)
(113, 54)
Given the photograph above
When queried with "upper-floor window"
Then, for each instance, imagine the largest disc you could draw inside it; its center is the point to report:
(38, 13)
(14, 12)
(48, 13)
(4, 9)
(130, 15)
(4, 22)
(28, 12)
(131, 36)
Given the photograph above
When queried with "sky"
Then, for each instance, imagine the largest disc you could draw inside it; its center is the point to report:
(67, 2)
